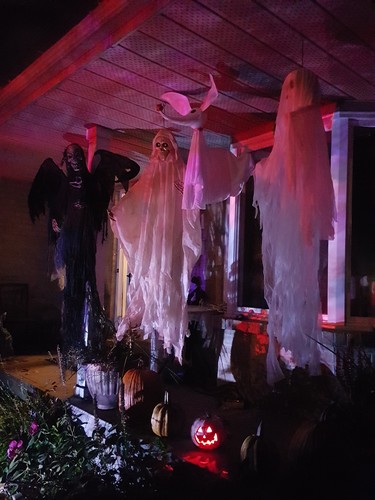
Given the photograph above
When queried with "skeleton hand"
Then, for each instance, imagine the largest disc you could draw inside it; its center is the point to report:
(55, 226)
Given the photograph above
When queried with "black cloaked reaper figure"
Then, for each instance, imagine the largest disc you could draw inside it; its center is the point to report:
(76, 203)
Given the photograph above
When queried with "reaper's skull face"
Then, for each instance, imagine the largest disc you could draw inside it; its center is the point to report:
(73, 157)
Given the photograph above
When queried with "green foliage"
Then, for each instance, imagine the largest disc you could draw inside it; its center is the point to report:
(110, 355)
(356, 373)
(45, 453)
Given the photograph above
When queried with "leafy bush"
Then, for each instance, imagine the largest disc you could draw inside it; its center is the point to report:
(45, 453)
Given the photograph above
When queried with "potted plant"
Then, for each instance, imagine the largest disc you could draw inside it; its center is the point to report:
(98, 365)
(103, 377)
(99, 369)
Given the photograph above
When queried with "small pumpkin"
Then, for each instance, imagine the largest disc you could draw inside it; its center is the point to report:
(317, 444)
(249, 452)
(208, 432)
(259, 455)
(166, 419)
(142, 390)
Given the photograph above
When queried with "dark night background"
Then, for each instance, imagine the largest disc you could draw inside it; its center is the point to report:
(30, 27)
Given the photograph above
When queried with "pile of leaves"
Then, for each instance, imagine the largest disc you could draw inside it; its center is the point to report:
(46, 453)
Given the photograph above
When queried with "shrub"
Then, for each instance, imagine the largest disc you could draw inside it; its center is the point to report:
(46, 453)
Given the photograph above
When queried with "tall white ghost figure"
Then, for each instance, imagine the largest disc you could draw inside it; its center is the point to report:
(294, 193)
(161, 243)
(212, 174)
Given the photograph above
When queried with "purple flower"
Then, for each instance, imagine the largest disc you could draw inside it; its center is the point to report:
(13, 448)
(34, 427)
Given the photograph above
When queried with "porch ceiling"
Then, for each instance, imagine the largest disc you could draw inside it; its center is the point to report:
(112, 68)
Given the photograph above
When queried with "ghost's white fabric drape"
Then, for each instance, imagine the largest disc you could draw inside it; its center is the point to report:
(212, 174)
(294, 193)
(161, 243)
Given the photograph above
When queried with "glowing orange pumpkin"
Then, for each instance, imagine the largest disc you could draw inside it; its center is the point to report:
(208, 432)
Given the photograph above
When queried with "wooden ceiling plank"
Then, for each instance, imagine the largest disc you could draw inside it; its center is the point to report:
(102, 28)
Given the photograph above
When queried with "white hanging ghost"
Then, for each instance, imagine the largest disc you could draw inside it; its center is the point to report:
(161, 243)
(294, 192)
(212, 174)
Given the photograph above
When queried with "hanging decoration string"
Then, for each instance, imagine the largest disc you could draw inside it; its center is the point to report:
(302, 52)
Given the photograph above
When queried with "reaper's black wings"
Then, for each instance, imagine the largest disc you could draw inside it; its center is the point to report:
(50, 186)
(48, 191)
(108, 168)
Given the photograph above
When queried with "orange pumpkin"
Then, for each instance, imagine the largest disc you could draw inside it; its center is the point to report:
(208, 432)
(142, 390)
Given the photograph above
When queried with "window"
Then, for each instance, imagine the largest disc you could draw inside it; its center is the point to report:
(349, 254)
(243, 283)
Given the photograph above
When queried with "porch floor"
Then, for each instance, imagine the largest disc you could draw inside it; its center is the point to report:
(210, 473)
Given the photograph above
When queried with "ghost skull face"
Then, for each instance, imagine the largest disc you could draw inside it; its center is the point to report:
(162, 148)
(73, 157)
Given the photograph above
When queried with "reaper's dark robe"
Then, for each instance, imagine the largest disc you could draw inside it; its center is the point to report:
(78, 202)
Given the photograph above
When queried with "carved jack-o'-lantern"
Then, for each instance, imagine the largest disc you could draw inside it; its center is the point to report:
(208, 432)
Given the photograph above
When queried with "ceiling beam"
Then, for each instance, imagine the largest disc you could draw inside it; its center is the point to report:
(101, 29)
(262, 137)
